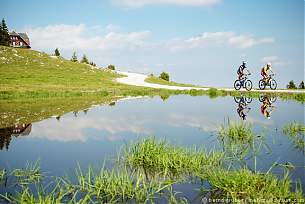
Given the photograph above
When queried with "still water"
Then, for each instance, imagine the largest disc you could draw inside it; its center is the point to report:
(92, 136)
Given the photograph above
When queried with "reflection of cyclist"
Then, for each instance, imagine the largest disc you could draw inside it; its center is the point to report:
(241, 71)
(242, 109)
(264, 72)
(267, 108)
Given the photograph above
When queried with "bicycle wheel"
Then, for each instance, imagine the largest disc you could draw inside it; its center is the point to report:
(237, 99)
(273, 84)
(261, 84)
(272, 99)
(248, 100)
(261, 98)
(248, 85)
(237, 84)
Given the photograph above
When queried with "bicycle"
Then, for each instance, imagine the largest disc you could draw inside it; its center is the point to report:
(271, 83)
(245, 83)
(270, 99)
(242, 99)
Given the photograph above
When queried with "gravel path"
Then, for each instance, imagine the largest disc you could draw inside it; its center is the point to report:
(139, 80)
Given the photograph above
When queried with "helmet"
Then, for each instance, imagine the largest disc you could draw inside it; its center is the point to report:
(244, 62)
(269, 64)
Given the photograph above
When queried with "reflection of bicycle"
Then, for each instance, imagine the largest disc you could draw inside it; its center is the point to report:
(241, 99)
(263, 98)
(270, 82)
(242, 108)
(245, 83)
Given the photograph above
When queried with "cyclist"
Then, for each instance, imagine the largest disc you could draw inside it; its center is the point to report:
(240, 71)
(264, 72)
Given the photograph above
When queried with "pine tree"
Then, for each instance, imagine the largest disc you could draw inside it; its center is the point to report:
(57, 53)
(74, 57)
(301, 86)
(1, 35)
(85, 60)
(4, 34)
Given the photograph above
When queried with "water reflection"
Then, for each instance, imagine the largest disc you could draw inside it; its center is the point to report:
(7, 133)
(267, 108)
(242, 107)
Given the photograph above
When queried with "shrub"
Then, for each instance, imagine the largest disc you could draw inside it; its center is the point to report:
(301, 86)
(57, 53)
(111, 67)
(164, 76)
(291, 85)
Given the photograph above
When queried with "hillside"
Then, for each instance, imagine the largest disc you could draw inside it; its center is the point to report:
(29, 70)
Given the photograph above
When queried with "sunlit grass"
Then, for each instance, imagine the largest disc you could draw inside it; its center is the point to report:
(162, 157)
(30, 174)
(296, 132)
(244, 184)
(236, 132)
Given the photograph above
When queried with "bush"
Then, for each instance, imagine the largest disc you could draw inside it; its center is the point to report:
(291, 85)
(57, 53)
(111, 67)
(301, 86)
(92, 64)
(164, 76)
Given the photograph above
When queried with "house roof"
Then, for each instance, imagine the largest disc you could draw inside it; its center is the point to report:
(23, 36)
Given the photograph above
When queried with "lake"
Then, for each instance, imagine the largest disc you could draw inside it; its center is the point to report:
(93, 136)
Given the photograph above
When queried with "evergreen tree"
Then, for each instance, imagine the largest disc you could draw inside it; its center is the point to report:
(4, 34)
(57, 53)
(74, 57)
(85, 60)
(1, 34)
(291, 85)
(301, 86)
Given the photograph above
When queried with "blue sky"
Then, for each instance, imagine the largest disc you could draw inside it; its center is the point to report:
(196, 41)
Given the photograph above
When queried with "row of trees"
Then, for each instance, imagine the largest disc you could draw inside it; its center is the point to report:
(292, 85)
(83, 60)
(4, 34)
(74, 58)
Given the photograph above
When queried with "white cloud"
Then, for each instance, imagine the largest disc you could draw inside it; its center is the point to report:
(112, 28)
(275, 60)
(207, 39)
(141, 3)
(73, 37)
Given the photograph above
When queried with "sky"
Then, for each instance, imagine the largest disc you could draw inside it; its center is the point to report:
(196, 41)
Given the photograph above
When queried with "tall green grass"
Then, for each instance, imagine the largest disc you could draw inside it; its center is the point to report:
(243, 185)
(161, 157)
(296, 132)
